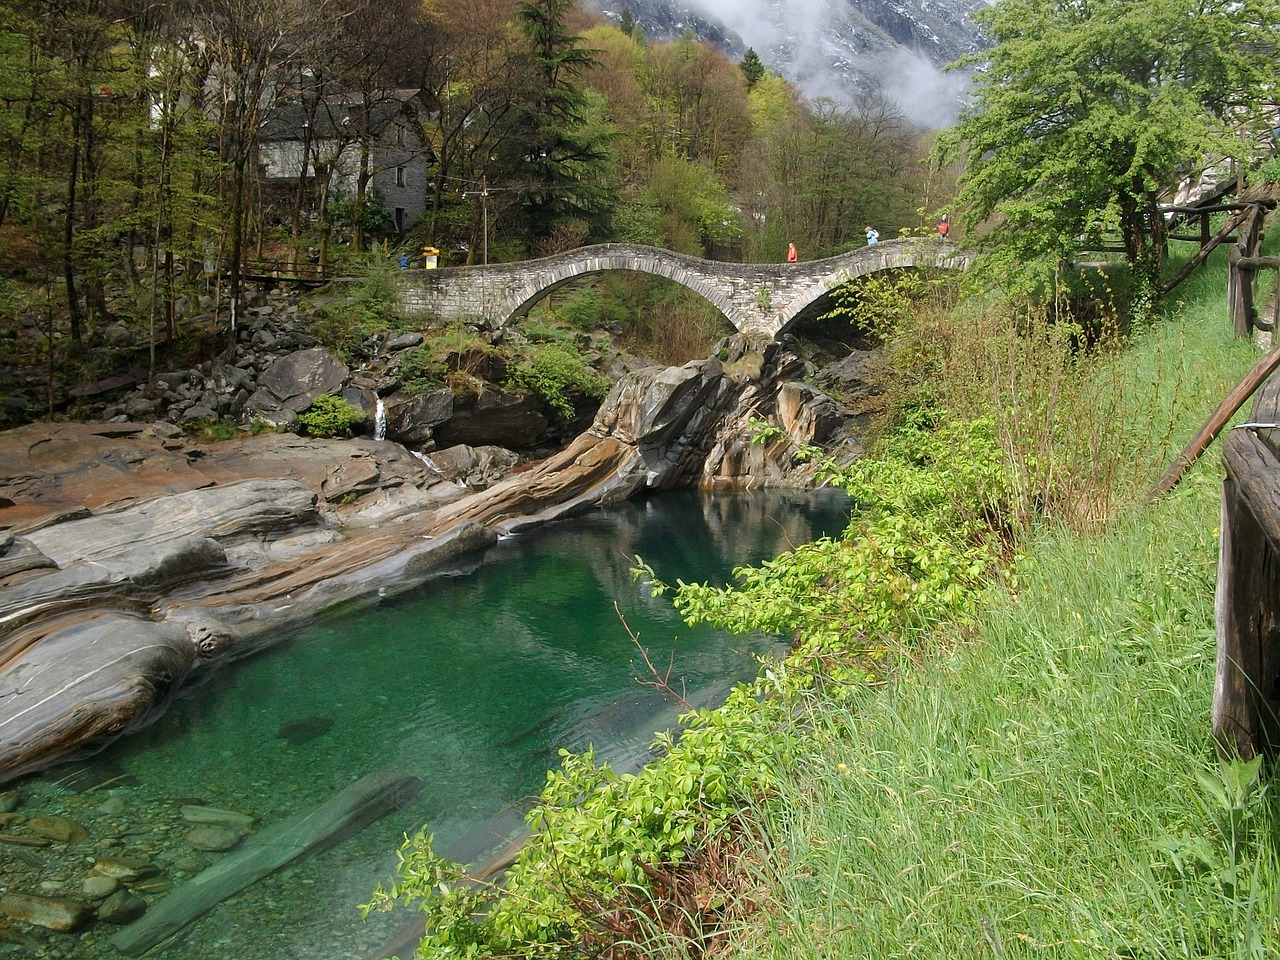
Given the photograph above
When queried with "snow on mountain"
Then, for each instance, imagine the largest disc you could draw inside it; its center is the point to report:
(834, 48)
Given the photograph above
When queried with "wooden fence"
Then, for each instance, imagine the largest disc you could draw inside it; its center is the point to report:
(1246, 694)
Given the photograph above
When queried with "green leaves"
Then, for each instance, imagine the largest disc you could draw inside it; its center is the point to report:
(606, 848)
(330, 416)
(918, 550)
(1086, 112)
(554, 371)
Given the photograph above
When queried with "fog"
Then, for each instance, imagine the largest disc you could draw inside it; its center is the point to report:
(800, 35)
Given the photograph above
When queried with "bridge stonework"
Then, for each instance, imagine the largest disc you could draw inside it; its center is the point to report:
(762, 298)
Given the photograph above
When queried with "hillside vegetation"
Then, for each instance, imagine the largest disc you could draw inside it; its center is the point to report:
(991, 735)
(1041, 781)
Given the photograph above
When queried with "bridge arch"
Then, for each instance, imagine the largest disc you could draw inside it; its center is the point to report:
(762, 298)
(650, 260)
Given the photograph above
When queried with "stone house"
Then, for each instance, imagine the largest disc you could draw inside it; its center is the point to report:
(317, 148)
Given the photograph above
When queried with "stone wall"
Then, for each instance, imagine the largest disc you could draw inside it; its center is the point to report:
(763, 298)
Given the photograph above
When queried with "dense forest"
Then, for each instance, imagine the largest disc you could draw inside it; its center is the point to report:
(164, 146)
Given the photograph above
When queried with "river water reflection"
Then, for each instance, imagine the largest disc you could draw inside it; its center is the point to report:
(470, 683)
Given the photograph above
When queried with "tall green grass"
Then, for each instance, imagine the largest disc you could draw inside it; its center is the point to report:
(1044, 784)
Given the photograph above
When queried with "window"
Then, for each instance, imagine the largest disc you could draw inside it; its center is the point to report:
(399, 219)
(401, 177)
(400, 135)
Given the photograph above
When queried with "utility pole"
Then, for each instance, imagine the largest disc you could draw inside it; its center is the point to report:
(483, 194)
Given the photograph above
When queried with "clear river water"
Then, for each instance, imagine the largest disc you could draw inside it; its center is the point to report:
(470, 682)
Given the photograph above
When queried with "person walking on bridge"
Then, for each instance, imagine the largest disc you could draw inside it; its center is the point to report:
(792, 255)
(944, 226)
(873, 236)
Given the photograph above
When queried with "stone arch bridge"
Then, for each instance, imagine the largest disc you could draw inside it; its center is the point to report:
(764, 298)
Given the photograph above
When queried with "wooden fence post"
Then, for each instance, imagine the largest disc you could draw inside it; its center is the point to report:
(1246, 691)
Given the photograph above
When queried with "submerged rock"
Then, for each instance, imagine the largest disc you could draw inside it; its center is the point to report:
(213, 838)
(52, 913)
(58, 829)
(304, 731)
(122, 907)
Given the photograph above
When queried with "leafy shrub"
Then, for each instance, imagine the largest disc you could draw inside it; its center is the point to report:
(622, 859)
(581, 309)
(880, 303)
(419, 370)
(360, 310)
(553, 370)
(1267, 172)
(917, 551)
(211, 431)
(330, 416)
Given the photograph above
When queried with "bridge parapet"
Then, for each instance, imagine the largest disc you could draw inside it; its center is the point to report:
(761, 297)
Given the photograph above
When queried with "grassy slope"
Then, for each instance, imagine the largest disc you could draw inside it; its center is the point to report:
(1046, 784)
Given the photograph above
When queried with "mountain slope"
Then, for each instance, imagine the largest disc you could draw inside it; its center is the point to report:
(834, 48)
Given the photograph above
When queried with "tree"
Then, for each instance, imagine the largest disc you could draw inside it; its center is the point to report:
(751, 67)
(558, 148)
(1085, 112)
(251, 43)
(469, 70)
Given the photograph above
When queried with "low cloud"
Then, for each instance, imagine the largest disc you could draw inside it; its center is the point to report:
(926, 95)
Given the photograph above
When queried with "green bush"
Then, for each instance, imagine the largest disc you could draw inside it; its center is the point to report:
(553, 370)
(360, 310)
(1267, 172)
(330, 416)
(609, 854)
(211, 431)
(419, 370)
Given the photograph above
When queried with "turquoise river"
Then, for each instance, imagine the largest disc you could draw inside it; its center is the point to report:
(470, 682)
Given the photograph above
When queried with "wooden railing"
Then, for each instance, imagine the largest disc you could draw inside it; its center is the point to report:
(1246, 693)
(284, 270)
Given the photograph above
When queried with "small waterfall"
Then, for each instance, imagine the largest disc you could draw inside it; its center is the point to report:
(380, 420)
(431, 464)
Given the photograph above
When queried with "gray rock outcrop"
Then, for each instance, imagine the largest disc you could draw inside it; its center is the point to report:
(139, 556)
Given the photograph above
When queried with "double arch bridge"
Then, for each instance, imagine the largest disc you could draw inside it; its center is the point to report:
(760, 298)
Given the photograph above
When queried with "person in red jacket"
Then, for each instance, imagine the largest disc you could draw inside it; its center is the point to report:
(792, 255)
(944, 226)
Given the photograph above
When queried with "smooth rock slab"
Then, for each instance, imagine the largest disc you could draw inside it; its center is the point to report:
(224, 512)
(86, 684)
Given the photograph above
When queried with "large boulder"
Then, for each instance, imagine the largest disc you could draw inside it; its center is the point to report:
(806, 414)
(476, 467)
(504, 418)
(294, 381)
(412, 418)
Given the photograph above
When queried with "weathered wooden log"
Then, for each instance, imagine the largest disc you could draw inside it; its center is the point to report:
(1246, 694)
(1219, 207)
(275, 847)
(1258, 263)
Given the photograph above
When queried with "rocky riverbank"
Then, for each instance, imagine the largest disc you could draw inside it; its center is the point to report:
(135, 556)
